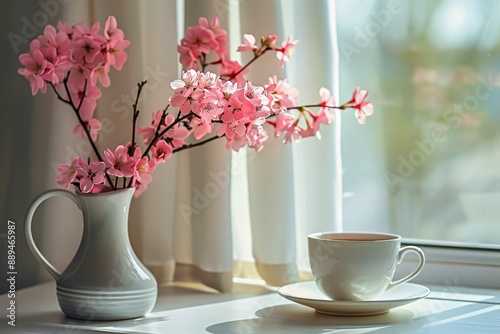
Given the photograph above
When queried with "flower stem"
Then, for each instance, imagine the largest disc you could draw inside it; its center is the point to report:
(135, 115)
(231, 77)
(57, 93)
(313, 106)
(188, 146)
(80, 120)
(160, 134)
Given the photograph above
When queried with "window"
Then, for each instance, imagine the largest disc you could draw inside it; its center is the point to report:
(428, 166)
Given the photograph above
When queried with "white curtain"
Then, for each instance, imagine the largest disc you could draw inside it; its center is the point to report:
(209, 212)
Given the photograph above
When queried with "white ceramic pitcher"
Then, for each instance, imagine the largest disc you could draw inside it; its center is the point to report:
(105, 280)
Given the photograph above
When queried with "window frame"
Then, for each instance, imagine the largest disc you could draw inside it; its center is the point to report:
(456, 264)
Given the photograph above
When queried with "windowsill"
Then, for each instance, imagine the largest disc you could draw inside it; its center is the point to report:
(449, 264)
(183, 308)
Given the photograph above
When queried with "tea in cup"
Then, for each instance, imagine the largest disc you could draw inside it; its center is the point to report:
(358, 265)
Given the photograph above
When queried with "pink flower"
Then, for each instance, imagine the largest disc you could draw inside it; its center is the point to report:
(90, 95)
(149, 132)
(269, 40)
(57, 51)
(201, 128)
(243, 111)
(282, 94)
(325, 115)
(176, 135)
(92, 124)
(35, 67)
(208, 81)
(189, 79)
(86, 49)
(187, 57)
(111, 30)
(187, 96)
(288, 124)
(56, 39)
(119, 163)
(249, 44)
(257, 95)
(220, 34)
(257, 145)
(77, 77)
(143, 170)
(313, 123)
(363, 108)
(116, 54)
(161, 151)
(256, 134)
(139, 188)
(236, 143)
(100, 73)
(199, 40)
(90, 174)
(81, 29)
(232, 129)
(67, 172)
(285, 51)
(209, 109)
(143, 167)
(66, 28)
(187, 100)
(327, 99)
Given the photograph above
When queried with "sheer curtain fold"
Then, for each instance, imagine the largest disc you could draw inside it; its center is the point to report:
(294, 189)
(317, 163)
(206, 195)
(209, 208)
(270, 172)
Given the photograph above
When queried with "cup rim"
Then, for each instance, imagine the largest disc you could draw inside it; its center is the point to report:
(360, 237)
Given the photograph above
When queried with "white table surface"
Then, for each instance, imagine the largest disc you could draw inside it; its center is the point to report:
(257, 309)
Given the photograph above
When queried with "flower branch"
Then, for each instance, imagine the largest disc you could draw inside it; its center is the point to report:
(256, 56)
(211, 105)
(82, 123)
(135, 116)
(200, 143)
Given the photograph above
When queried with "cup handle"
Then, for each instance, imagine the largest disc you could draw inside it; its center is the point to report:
(401, 254)
(29, 217)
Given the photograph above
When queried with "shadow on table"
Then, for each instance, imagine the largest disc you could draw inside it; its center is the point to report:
(62, 324)
(291, 318)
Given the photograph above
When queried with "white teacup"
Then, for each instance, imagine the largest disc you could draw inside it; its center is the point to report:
(358, 266)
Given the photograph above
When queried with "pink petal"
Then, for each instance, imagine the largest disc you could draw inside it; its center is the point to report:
(86, 185)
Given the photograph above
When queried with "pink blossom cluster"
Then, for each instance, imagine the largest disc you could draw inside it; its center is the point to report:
(240, 111)
(73, 59)
(91, 177)
(207, 38)
(241, 107)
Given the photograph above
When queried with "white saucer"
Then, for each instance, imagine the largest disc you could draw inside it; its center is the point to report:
(306, 293)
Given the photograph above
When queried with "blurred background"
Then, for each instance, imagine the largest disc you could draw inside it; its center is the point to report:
(433, 70)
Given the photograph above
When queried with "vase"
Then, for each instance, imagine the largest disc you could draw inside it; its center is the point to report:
(105, 280)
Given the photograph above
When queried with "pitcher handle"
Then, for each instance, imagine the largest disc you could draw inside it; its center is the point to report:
(29, 236)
